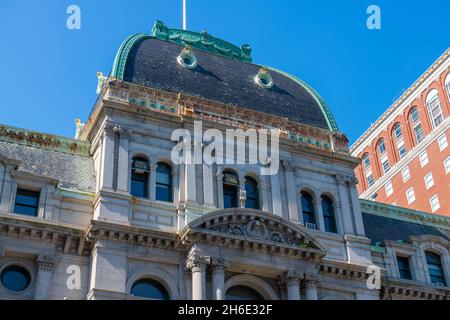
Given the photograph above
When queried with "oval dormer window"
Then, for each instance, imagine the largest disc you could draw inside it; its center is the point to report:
(264, 79)
(187, 58)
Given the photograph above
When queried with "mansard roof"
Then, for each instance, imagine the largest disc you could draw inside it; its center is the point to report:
(59, 158)
(224, 73)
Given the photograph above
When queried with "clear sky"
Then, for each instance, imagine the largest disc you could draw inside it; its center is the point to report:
(49, 72)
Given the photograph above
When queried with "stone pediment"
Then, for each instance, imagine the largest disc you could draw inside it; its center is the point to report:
(253, 229)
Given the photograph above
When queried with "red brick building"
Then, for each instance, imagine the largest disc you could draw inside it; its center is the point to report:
(405, 154)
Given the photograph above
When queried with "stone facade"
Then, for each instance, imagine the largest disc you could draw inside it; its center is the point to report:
(91, 238)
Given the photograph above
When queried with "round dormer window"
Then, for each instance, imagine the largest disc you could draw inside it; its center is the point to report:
(187, 58)
(264, 79)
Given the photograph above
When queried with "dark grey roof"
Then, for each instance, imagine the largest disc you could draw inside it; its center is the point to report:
(73, 171)
(153, 63)
(379, 229)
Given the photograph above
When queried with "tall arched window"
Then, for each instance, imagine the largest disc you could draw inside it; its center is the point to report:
(329, 219)
(398, 135)
(435, 268)
(416, 124)
(251, 189)
(447, 85)
(230, 190)
(164, 190)
(139, 177)
(309, 216)
(150, 289)
(381, 146)
(434, 108)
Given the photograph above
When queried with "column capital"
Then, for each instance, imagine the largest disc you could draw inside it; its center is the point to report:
(197, 262)
(219, 264)
(340, 179)
(291, 277)
(312, 279)
(352, 181)
(46, 263)
(288, 166)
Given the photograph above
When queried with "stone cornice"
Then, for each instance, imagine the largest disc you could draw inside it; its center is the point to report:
(404, 214)
(345, 270)
(412, 289)
(44, 140)
(69, 238)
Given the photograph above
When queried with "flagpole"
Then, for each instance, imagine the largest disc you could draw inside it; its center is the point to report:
(184, 15)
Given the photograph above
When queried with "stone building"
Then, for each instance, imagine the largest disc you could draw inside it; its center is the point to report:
(405, 153)
(109, 215)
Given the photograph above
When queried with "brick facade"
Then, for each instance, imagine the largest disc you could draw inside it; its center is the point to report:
(435, 80)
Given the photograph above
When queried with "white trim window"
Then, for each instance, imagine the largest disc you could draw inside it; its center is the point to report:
(447, 85)
(447, 165)
(370, 179)
(406, 174)
(410, 195)
(417, 125)
(443, 143)
(434, 108)
(401, 149)
(423, 157)
(434, 203)
(429, 181)
(389, 189)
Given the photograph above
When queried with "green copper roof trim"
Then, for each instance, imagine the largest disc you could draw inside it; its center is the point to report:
(202, 41)
(122, 55)
(323, 106)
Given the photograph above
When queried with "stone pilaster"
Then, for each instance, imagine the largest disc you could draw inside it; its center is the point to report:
(291, 191)
(311, 283)
(291, 279)
(218, 278)
(46, 265)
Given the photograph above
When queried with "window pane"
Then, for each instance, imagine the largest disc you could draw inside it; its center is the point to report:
(308, 209)
(27, 202)
(328, 215)
(403, 268)
(251, 189)
(435, 268)
(230, 196)
(139, 185)
(149, 289)
(164, 183)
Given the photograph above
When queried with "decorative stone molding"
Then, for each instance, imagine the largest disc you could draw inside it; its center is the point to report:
(46, 263)
(290, 276)
(219, 264)
(394, 287)
(196, 262)
(254, 230)
(311, 279)
(288, 166)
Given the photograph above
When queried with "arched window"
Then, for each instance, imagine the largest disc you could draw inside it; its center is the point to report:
(329, 219)
(447, 85)
(398, 134)
(139, 177)
(251, 189)
(416, 125)
(381, 146)
(150, 289)
(309, 216)
(434, 108)
(230, 190)
(435, 268)
(366, 161)
(164, 190)
(243, 293)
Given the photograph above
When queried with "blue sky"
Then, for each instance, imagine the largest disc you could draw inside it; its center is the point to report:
(49, 72)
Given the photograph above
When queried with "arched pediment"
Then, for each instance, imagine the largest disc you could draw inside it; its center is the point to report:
(253, 229)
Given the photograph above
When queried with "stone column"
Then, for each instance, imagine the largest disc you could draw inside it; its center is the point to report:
(218, 279)
(242, 190)
(44, 276)
(291, 191)
(356, 207)
(197, 264)
(292, 281)
(344, 215)
(319, 215)
(276, 195)
(153, 167)
(208, 189)
(264, 187)
(107, 165)
(123, 172)
(220, 189)
(311, 283)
